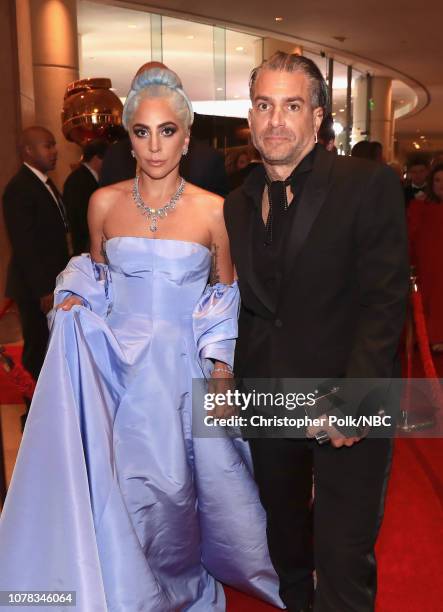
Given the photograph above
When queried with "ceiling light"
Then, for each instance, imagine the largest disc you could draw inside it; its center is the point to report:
(219, 88)
(190, 37)
(416, 145)
(132, 26)
(341, 110)
(236, 96)
(278, 18)
(423, 137)
(239, 48)
(333, 114)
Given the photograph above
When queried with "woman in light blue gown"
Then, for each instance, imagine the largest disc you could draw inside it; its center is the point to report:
(112, 497)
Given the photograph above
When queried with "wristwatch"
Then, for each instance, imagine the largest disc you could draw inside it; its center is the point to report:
(322, 437)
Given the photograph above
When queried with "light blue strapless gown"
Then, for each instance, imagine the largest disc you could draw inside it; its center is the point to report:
(111, 496)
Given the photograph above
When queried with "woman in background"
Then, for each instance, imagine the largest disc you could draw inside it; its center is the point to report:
(425, 221)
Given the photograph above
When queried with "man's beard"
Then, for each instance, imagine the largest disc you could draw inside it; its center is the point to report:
(279, 159)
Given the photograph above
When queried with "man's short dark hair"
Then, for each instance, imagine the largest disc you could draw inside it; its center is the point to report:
(362, 149)
(418, 160)
(291, 62)
(94, 148)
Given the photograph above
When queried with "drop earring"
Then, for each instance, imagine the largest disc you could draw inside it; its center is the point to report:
(185, 150)
(315, 137)
(132, 153)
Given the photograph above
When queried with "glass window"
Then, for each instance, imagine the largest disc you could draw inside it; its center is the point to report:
(242, 52)
(359, 106)
(188, 49)
(114, 42)
(339, 106)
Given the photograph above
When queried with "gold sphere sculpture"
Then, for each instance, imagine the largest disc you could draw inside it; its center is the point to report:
(91, 111)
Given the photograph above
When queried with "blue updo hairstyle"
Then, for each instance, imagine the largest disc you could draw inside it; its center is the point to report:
(158, 83)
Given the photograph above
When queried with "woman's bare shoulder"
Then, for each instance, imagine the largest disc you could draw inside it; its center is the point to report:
(206, 200)
(107, 196)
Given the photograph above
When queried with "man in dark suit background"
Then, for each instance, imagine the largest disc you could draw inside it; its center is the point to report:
(417, 177)
(319, 244)
(78, 188)
(36, 224)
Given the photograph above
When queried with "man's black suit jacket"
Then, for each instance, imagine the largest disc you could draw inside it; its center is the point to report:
(341, 304)
(78, 188)
(202, 166)
(411, 193)
(37, 234)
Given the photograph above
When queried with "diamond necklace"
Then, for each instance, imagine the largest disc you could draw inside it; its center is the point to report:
(154, 214)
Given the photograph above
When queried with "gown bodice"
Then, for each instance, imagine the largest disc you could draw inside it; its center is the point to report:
(156, 278)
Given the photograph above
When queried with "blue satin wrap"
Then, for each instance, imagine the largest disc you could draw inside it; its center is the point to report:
(111, 495)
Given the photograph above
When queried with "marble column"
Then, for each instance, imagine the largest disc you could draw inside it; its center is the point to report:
(55, 65)
(373, 112)
(381, 114)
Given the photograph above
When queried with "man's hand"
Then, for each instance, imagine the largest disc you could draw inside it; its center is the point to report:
(337, 439)
(46, 303)
(69, 302)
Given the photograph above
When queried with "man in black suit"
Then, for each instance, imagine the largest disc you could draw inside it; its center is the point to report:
(319, 244)
(417, 177)
(78, 188)
(36, 224)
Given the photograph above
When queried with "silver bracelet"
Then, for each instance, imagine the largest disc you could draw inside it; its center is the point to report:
(224, 370)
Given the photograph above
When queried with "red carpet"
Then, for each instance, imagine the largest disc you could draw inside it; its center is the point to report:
(9, 393)
(410, 547)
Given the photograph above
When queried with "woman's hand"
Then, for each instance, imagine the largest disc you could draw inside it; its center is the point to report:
(220, 383)
(69, 302)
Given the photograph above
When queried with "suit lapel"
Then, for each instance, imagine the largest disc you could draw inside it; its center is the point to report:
(308, 208)
(245, 214)
(43, 190)
(38, 184)
(88, 177)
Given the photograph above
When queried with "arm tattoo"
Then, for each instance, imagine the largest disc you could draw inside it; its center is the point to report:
(214, 276)
(103, 250)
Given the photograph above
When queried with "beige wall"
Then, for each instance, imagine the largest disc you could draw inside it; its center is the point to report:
(55, 62)
(10, 115)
